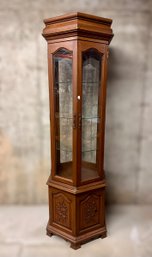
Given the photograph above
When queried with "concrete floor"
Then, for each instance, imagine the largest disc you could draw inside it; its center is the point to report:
(22, 234)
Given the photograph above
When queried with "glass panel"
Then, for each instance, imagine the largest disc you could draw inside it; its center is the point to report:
(63, 112)
(91, 81)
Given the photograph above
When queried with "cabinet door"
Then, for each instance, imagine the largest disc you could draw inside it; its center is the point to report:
(61, 106)
(92, 110)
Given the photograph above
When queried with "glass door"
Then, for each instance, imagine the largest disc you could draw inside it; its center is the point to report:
(63, 105)
(90, 133)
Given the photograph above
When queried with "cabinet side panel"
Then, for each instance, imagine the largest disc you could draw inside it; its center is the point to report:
(91, 210)
(62, 206)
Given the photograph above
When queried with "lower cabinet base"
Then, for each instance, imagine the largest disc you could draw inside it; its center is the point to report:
(76, 242)
(77, 217)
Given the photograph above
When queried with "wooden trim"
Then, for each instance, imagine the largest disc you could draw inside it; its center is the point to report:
(79, 239)
(76, 190)
(76, 38)
(103, 109)
(78, 15)
(107, 37)
(78, 24)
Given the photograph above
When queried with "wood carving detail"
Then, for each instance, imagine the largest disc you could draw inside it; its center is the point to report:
(61, 209)
(89, 211)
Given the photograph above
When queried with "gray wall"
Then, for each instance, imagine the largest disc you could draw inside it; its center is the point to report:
(24, 111)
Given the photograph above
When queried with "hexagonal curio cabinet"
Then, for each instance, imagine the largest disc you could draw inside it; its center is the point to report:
(77, 70)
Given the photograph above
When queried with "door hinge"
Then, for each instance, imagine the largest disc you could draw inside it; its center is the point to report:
(79, 121)
(74, 121)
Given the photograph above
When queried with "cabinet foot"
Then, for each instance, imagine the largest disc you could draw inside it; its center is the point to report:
(75, 246)
(49, 233)
(103, 235)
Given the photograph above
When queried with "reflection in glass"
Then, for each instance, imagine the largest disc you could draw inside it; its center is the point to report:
(90, 113)
(63, 111)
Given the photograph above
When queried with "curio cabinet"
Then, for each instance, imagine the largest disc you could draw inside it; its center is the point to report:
(77, 71)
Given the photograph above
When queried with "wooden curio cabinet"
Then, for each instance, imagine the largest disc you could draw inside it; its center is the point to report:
(77, 69)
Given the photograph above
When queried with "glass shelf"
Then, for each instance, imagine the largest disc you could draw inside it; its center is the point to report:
(88, 151)
(64, 117)
(90, 118)
(63, 82)
(60, 92)
(68, 118)
(90, 137)
(70, 151)
(90, 121)
(63, 150)
(90, 82)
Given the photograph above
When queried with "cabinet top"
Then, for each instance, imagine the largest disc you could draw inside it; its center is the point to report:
(78, 24)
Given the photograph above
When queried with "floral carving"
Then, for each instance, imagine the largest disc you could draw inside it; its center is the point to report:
(90, 210)
(62, 211)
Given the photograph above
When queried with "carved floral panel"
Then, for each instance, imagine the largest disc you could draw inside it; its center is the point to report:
(62, 206)
(89, 211)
